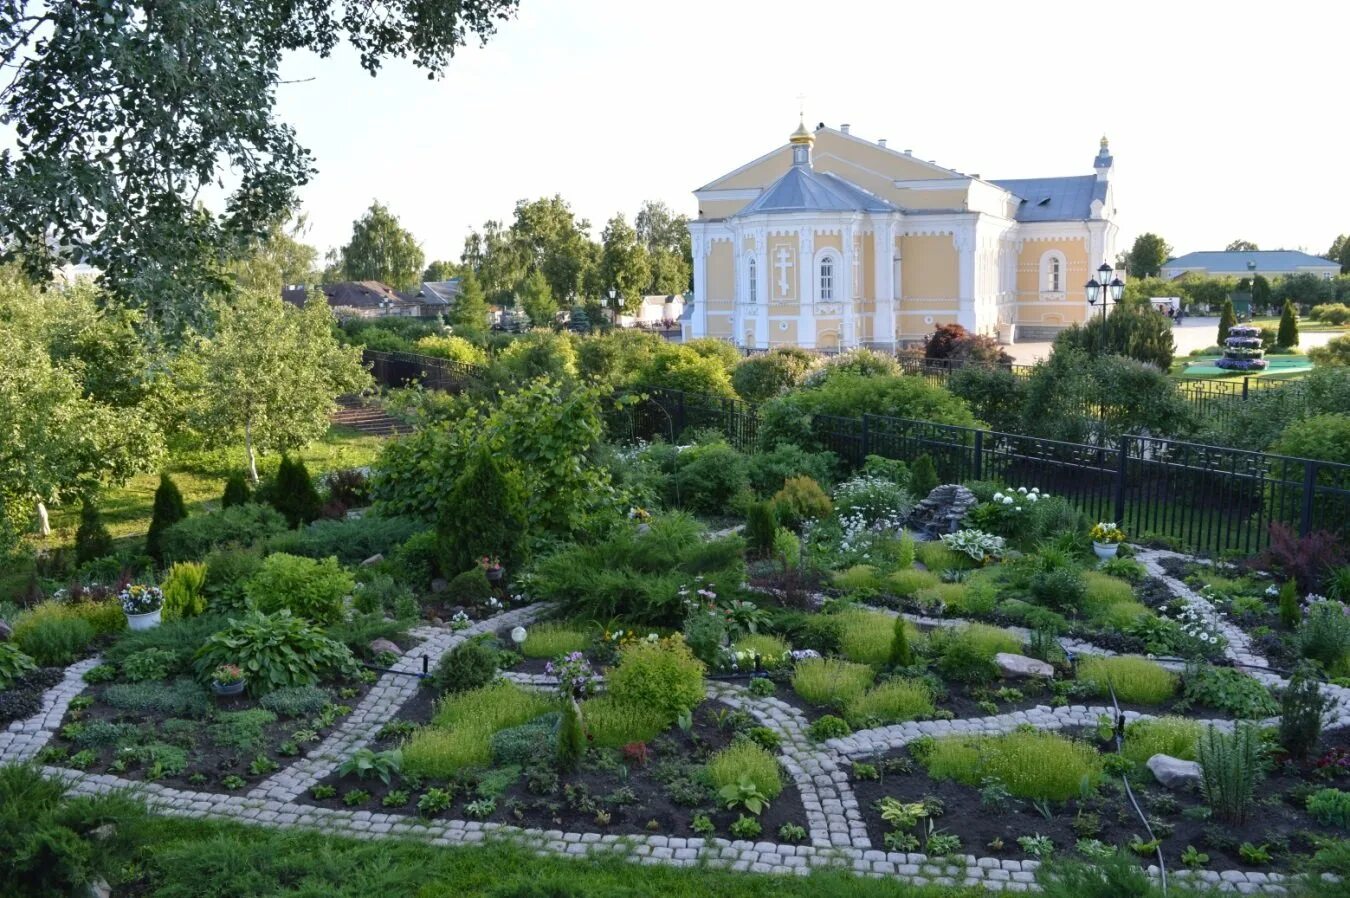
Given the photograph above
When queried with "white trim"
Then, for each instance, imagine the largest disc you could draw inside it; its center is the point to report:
(930, 183)
(729, 193)
(1044, 280)
(838, 278)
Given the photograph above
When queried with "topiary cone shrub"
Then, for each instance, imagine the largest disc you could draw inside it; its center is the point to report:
(169, 509)
(92, 539)
(1227, 318)
(1288, 333)
(923, 478)
(483, 515)
(236, 491)
(293, 493)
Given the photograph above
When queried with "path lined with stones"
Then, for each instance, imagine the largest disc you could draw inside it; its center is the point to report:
(838, 833)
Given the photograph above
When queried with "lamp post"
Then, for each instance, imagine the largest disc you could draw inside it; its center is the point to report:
(613, 309)
(1251, 289)
(1107, 292)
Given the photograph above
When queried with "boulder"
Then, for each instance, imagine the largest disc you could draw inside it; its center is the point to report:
(374, 559)
(1174, 773)
(1011, 665)
(384, 645)
(6, 631)
(943, 509)
(439, 585)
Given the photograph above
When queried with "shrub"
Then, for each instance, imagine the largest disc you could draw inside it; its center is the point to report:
(966, 653)
(150, 664)
(907, 583)
(468, 666)
(612, 723)
(1336, 353)
(92, 539)
(1330, 807)
(54, 635)
(902, 655)
(484, 513)
(241, 525)
(350, 541)
(182, 637)
(770, 649)
(1303, 708)
(1324, 636)
(708, 476)
(13, 663)
(178, 698)
(456, 349)
(295, 701)
(1230, 768)
(307, 588)
(1175, 736)
(549, 640)
(1029, 764)
(893, 701)
(530, 742)
(1288, 332)
(54, 845)
(1290, 612)
(275, 651)
(1229, 690)
(1113, 875)
(184, 590)
(1134, 679)
(227, 570)
(293, 493)
(829, 682)
(169, 508)
(875, 502)
(470, 587)
(242, 731)
(236, 491)
(747, 760)
(762, 377)
(662, 675)
(867, 635)
(801, 499)
(923, 478)
(1062, 589)
(1103, 591)
(938, 557)
(460, 733)
(770, 470)
(761, 523)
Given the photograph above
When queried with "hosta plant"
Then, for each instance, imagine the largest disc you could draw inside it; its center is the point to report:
(365, 762)
(743, 794)
(275, 651)
(13, 664)
(976, 544)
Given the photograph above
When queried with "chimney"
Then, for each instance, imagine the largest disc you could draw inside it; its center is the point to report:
(844, 128)
(909, 152)
(976, 176)
(882, 143)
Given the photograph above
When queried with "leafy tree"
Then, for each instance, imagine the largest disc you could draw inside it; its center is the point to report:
(1205, 291)
(625, 264)
(1260, 292)
(666, 236)
(497, 260)
(1133, 329)
(770, 374)
(676, 366)
(159, 101)
(1336, 353)
(1305, 289)
(1227, 319)
(441, 270)
(276, 258)
(1241, 246)
(169, 508)
(1077, 398)
(1147, 256)
(548, 237)
(469, 315)
(537, 354)
(92, 539)
(293, 493)
(269, 376)
(1288, 333)
(236, 491)
(1342, 253)
(381, 250)
(536, 298)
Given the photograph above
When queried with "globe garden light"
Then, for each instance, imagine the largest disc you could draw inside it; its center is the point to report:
(518, 635)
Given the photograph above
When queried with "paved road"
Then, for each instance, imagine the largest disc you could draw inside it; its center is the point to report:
(1194, 333)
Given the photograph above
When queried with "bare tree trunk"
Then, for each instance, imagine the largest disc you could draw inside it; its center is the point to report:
(44, 525)
(252, 457)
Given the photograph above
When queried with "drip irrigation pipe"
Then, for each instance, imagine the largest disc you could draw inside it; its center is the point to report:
(1129, 793)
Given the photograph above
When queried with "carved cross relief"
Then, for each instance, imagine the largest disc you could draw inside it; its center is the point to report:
(783, 262)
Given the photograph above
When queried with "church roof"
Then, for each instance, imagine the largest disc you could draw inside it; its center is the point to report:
(1055, 199)
(803, 189)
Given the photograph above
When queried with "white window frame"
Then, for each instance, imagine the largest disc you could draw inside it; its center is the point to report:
(752, 285)
(836, 260)
(1049, 260)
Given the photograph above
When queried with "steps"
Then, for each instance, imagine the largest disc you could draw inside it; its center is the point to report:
(367, 417)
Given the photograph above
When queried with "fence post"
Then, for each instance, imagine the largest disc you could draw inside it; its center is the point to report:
(866, 440)
(978, 466)
(1309, 486)
(1246, 380)
(1121, 464)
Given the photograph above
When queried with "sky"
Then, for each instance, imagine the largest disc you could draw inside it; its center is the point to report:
(1226, 120)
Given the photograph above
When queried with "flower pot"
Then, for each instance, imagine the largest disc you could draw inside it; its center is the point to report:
(227, 688)
(147, 621)
(1105, 550)
(494, 574)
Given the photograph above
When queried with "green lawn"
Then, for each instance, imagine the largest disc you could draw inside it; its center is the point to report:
(1305, 325)
(201, 478)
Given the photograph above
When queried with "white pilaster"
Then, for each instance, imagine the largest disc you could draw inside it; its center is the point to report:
(806, 293)
(698, 245)
(964, 240)
(883, 305)
(848, 290)
(762, 292)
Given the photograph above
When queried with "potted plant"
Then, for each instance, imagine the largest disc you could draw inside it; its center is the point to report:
(227, 679)
(142, 605)
(1106, 539)
(492, 567)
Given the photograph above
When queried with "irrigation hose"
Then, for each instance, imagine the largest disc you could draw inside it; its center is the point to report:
(1129, 793)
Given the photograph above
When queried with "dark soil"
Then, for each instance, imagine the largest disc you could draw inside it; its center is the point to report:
(595, 787)
(23, 697)
(1278, 821)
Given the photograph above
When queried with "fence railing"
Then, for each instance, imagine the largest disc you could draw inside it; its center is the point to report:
(1206, 498)
(400, 369)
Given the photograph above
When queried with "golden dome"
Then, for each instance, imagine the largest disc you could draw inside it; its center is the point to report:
(1103, 141)
(801, 135)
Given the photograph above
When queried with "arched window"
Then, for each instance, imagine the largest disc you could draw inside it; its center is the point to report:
(753, 292)
(827, 279)
(1054, 271)
(1053, 278)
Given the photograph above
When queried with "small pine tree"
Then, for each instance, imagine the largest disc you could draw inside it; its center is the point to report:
(92, 539)
(469, 315)
(1290, 615)
(1227, 318)
(571, 736)
(293, 493)
(236, 491)
(484, 515)
(1302, 711)
(169, 509)
(901, 653)
(1288, 334)
(923, 478)
(761, 523)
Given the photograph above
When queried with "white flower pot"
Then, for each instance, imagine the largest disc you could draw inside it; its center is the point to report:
(227, 688)
(144, 621)
(1105, 550)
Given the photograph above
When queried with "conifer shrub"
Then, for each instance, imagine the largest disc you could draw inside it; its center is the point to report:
(571, 736)
(1287, 336)
(1227, 320)
(469, 665)
(236, 491)
(662, 675)
(801, 499)
(484, 514)
(310, 589)
(1030, 764)
(761, 522)
(92, 539)
(169, 509)
(902, 654)
(923, 478)
(184, 588)
(830, 682)
(1290, 612)
(243, 525)
(1303, 710)
(1231, 766)
(293, 493)
(471, 587)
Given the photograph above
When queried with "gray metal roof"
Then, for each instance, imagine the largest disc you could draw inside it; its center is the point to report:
(439, 292)
(803, 189)
(1055, 199)
(1277, 260)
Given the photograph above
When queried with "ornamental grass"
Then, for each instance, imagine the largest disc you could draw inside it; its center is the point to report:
(611, 723)
(749, 760)
(1174, 736)
(865, 636)
(460, 733)
(830, 682)
(1103, 593)
(893, 701)
(906, 583)
(549, 640)
(770, 649)
(1135, 679)
(1031, 764)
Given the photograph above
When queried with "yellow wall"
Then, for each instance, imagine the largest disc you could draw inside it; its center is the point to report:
(1032, 307)
(929, 269)
(828, 241)
(721, 274)
(721, 208)
(771, 268)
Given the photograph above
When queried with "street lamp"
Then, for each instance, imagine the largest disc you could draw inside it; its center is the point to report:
(613, 309)
(1107, 291)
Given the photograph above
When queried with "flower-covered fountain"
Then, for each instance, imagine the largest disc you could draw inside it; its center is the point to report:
(1242, 350)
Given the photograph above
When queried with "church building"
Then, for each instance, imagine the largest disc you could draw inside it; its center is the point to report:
(832, 242)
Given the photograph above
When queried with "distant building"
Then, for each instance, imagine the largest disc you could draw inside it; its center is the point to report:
(372, 299)
(656, 311)
(1242, 264)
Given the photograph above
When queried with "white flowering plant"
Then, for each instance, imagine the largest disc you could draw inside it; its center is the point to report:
(140, 599)
(460, 621)
(1005, 510)
(872, 503)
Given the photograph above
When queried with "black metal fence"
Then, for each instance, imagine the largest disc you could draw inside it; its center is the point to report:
(1206, 498)
(400, 369)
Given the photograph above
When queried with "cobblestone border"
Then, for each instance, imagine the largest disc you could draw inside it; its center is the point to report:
(838, 833)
